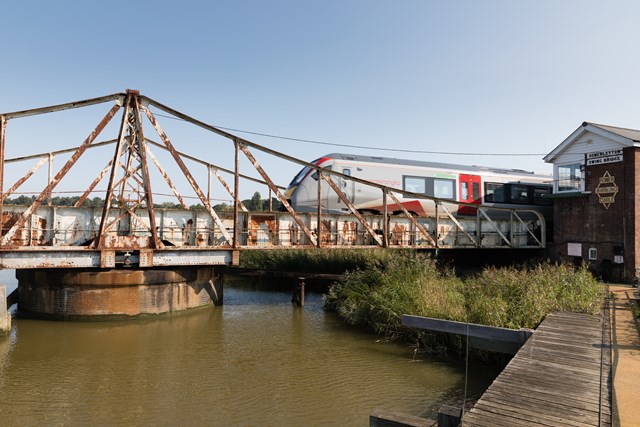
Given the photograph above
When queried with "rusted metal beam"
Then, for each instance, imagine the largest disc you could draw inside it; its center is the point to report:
(236, 192)
(188, 175)
(228, 188)
(279, 195)
(93, 185)
(142, 153)
(22, 180)
(496, 228)
(319, 211)
(49, 188)
(385, 218)
(3, 133)
(115, 163)
(119, 97)
(49, 201)
(57, 152)
(167, 179)
(420, 228)
(202, 162)
(353, 210)
(475, 241)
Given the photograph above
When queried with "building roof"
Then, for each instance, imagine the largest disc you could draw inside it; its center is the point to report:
(624, 136)
(632, 134)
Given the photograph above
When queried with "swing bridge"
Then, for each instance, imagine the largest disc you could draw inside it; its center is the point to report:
(135, 226)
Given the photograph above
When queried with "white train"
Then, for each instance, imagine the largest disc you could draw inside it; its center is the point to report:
(486, 186)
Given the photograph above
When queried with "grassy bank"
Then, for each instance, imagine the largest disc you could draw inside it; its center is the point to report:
(334, 261)
(380, 286)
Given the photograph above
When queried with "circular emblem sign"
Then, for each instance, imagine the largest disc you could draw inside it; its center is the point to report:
(607, 189)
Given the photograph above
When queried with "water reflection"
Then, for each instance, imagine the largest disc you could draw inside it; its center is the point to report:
(257, 360)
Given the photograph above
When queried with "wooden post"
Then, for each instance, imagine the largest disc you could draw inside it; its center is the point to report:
(449, 416)
(298, 293)
(384, 418)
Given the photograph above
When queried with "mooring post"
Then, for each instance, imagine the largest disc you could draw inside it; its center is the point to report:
(5, 317)
(298, 293)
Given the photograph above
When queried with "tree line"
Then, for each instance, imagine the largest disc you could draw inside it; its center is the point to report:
(255, 204)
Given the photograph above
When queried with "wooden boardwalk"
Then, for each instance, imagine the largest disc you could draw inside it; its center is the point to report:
(560, 377)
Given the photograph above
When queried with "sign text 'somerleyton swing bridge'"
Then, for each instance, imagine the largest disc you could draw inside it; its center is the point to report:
(128, 229)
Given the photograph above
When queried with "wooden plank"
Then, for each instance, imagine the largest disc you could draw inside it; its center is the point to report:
(525, 413)
(560, 377)
(481, 418)
(384, 418)
(577, 413)
(545, 394)
(482, 335)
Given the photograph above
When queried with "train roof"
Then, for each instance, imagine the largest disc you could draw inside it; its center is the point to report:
(419, 163)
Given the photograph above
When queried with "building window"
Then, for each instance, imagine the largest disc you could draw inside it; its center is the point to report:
(570, 178)
(593, 254)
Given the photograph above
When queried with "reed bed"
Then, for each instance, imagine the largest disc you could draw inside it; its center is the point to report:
(380, 286)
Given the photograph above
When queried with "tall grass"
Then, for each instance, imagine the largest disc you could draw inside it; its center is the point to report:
(511, 297)
(334, 261)
(382, 285)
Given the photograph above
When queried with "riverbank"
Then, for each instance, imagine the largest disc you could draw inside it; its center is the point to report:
(380, 286)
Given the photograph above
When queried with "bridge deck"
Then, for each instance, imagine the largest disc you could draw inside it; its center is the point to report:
(560, 377)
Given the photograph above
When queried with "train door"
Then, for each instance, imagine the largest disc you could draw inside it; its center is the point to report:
(346, 185)
(469, 193)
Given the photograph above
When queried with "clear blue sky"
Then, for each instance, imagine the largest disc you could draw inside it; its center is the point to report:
(456, 76)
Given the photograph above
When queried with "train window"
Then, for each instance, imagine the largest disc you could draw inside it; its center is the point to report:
(414, 184)
(346, 172)
(315, 174)
(464, 193)
(519, 194)
(494, 192)
(443, 188)
(476, 190)
(296, 180)
(541, 196)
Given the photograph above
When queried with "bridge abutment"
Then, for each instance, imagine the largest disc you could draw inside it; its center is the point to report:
(78, 294)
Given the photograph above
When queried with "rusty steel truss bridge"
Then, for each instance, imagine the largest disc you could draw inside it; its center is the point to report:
(129, 228)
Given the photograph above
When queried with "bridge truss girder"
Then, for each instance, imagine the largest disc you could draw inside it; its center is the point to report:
(128, 228)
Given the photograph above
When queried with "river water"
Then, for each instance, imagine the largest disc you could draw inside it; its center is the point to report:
(257, 360)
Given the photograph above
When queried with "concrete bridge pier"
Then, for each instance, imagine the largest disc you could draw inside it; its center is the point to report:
(89, 294)
(5, 316)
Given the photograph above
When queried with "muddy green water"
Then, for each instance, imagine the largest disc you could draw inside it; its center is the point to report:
(256, 361)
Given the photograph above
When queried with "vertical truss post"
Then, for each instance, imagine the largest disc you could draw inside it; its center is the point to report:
(142, 153)
(3, 132)
(236, 188)
(209, 176)
(114, 167)
(319, 236)
(49, 201)
(385, 218)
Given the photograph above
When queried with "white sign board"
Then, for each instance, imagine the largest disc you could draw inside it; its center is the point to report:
(574, 249)
(602, 157)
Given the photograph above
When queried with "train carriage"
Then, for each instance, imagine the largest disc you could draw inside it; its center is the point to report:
(479, 185)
